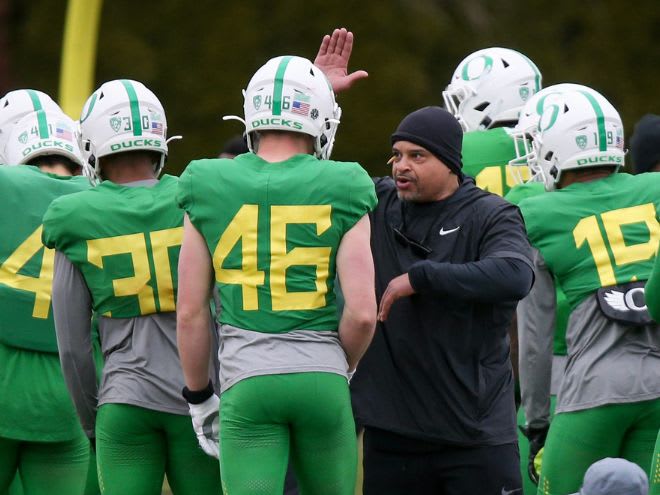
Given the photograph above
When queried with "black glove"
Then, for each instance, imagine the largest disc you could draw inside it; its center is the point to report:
(536, 437)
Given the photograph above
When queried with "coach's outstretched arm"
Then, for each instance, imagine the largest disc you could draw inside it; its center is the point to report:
(333, 57)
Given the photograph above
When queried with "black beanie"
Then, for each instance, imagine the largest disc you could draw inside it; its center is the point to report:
(645, 143)
(438, 131)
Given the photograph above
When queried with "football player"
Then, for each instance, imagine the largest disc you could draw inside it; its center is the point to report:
(117, 248)
(40, 437)
(486, 94)
(597, 233)
(540, 370)
(270, 229)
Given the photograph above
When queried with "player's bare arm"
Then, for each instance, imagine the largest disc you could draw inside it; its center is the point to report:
(195, 279)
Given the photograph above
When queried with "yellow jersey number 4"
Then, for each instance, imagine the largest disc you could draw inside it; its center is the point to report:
(41, 285)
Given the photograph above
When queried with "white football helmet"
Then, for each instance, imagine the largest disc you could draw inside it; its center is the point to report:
(578, 129)
(15, 105)
(122, 115)
(291, 94)
(489, 88)
(525, 133)
(43, 133)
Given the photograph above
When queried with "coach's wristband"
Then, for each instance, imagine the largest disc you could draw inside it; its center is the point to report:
(197, 396)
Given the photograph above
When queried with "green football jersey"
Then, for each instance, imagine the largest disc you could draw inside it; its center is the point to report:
(486, 156)
(653, 291)
(26, 267)
(563, 310)
(523, 191)
(273, 230)
(125, 241)
(597, 234)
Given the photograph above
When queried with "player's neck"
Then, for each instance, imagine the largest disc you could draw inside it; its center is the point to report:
(130, 171)
(57, 169)
(572, 176)
(277, 147)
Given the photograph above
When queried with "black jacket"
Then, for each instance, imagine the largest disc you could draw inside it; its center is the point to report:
(438, 369)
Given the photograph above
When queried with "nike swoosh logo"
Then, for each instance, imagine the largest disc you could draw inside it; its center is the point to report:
(445, 232)
(511, 492)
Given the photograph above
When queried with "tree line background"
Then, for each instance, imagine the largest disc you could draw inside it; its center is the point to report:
(198, 55)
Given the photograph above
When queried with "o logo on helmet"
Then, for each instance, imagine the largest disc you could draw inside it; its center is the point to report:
(548, 118)
(470, 75)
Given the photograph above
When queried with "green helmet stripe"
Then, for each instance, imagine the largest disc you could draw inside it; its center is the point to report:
(36, 102)
(600, 121)
(41, 116)
(537, 73)
(89, 108)
(135, 107)
(279, 85)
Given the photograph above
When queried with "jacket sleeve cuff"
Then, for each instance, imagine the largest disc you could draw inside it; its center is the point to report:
(418, 277)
